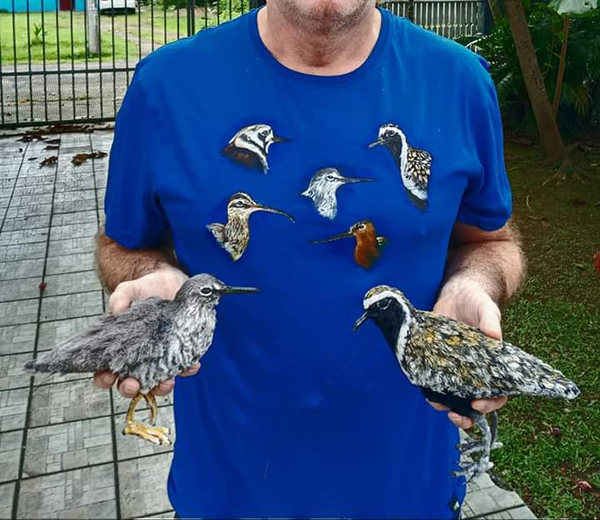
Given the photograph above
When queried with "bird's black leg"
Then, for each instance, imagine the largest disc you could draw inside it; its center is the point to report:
(475, 445)
(474, 469)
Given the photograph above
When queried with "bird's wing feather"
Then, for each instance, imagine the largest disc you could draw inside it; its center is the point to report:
(149, 331)
(420, 167)
(110, 342)
(450, 356)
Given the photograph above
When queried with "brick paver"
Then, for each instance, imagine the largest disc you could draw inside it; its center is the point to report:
(62, 454)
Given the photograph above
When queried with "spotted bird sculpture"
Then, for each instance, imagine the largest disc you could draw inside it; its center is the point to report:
(454, 364)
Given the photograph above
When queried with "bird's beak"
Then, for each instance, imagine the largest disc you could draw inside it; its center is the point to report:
(279, 139)
(235, 290)
(375, 143)
(277, 211)
(364, 317)
(354, 180)
(346, 234)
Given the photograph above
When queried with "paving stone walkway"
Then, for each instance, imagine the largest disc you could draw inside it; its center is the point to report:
(61, 451)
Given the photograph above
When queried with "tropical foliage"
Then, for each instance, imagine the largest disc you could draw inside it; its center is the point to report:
(580, 96)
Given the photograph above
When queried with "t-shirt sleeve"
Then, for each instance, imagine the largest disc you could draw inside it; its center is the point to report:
(487, 200)
(134, 216)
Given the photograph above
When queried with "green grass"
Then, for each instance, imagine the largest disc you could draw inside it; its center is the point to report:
(550, 446)
(128, 30)
(71, 47)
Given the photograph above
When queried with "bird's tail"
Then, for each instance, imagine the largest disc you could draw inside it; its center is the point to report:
(555, 384)
(48, 362)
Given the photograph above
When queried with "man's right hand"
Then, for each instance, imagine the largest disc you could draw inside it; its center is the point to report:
(162, 283)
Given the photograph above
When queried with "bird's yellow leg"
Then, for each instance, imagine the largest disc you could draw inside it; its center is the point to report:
(156, 434)
(151, 400)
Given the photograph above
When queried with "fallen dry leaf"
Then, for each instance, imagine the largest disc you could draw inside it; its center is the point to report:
(49, 161)
(80, 158)
(52, 147)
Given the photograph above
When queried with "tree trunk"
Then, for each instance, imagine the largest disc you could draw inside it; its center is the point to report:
(562, 64)
(550, 138)
(495, 9)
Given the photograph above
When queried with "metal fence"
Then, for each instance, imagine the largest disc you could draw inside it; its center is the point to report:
(67, 61)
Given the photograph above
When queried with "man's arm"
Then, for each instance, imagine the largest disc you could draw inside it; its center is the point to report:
(484, 270)
(130, 275)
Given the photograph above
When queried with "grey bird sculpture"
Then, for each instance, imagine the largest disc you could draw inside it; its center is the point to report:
(322, 190)
(414, 164)
(250, 146)
(234, 236)
(153, 340)
(454, 364)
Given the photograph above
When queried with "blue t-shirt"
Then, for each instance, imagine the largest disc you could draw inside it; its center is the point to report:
(292, 414)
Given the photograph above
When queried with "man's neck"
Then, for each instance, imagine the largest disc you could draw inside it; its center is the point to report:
(322, 51)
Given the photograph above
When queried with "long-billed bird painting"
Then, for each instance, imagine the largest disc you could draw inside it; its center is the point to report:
(454, 364)
(234, 235)
(368, 242)
(152, 341)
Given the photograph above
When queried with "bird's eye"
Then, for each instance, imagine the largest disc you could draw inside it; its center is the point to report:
(206, 291)
(388, 133)
(239, 204)
(383, 304)
(264, 133)
(330, 178)
(362, 227)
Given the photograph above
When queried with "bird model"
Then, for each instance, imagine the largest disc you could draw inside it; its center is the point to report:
(454, 364)
(322, 190)
(368, 243)
(250, 146)
(152, 341)
(414, 164)
(234, 236)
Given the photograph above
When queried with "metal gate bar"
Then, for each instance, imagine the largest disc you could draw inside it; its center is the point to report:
(64, 61)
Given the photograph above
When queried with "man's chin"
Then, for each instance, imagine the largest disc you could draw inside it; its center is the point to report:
(326, 15)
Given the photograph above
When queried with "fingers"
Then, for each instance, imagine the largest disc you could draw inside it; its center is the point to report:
(128, 388)
(439, 407)
(104, 379)
(489, 322)
(192, 371)
(122, 297)
(460, 421)
(489, 405)
(164, 388)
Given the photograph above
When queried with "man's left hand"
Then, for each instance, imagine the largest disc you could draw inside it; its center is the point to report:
(466, 301)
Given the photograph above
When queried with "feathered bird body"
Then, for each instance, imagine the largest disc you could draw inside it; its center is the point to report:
(163, 339)
(454, 364)
(448, 356)
(153, 340)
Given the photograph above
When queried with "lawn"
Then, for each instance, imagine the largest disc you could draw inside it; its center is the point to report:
(133, 34)
(71, 38)
(551, 453)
